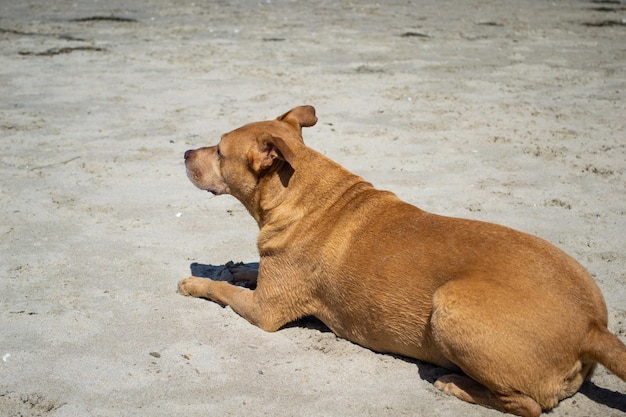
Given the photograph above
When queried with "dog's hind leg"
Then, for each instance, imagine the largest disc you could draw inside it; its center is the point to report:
(519, 361)
(471, 391)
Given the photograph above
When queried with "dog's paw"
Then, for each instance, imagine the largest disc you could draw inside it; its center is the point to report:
(446, 383)
(194, 287)
(242, 274)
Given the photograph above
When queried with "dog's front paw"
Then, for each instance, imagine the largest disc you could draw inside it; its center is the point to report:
(243, 274)
(195, 287)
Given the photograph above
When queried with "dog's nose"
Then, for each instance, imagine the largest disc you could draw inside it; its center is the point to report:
(187, 153)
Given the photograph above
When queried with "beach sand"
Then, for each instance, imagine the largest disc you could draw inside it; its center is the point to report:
(505, 111)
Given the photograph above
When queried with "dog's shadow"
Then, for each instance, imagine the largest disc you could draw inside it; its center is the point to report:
(226, 272)
(428, 372)
(611, 399)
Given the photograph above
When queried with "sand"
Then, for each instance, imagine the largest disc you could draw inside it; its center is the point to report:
(506, 111)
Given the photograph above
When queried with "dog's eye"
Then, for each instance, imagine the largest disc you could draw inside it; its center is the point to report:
(219, 153)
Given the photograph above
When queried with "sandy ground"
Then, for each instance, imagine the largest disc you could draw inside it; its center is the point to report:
(507, 111)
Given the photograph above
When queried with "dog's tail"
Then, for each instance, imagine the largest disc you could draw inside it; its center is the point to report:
(605, 348)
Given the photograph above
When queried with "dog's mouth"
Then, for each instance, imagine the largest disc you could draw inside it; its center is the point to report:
(198, 172)
(215, 190)
(208, 188)
(196, 179)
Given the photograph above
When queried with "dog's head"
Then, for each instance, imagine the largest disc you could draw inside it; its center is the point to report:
(236, 164)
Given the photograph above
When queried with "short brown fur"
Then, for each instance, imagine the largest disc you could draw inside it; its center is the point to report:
(523, 320)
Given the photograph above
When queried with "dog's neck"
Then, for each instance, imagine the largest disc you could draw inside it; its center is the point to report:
(283, 195)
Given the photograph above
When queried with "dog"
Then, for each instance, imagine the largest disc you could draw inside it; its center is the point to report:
(520, 324)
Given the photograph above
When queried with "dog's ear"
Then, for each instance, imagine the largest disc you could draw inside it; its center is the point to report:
(299, 117)
(267, 150)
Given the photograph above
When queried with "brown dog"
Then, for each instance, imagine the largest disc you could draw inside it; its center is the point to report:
(524, 321)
